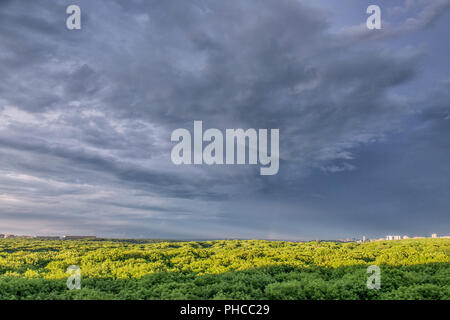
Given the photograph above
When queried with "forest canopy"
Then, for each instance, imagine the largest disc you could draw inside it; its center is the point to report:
(224, 269)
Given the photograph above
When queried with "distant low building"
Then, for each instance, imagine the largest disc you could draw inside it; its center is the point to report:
(9, 236)
(434, 235)
(78, 237)
(393, 237)
(405, 237)
(47, 238)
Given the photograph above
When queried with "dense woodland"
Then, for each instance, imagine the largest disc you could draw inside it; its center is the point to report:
(228, 269)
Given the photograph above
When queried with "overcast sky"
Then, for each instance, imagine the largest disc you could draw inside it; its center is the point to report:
(86, 117)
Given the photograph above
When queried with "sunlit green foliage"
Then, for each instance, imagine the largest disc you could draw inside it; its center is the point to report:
(231, 269)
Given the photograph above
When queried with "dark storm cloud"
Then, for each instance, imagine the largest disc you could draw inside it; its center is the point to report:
(86, 116)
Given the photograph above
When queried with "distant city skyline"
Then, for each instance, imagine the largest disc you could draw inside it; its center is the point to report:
(353, 239)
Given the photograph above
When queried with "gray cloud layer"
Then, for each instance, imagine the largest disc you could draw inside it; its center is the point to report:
(86, 117)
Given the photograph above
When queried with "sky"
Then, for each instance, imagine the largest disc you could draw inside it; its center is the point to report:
(86, 118)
